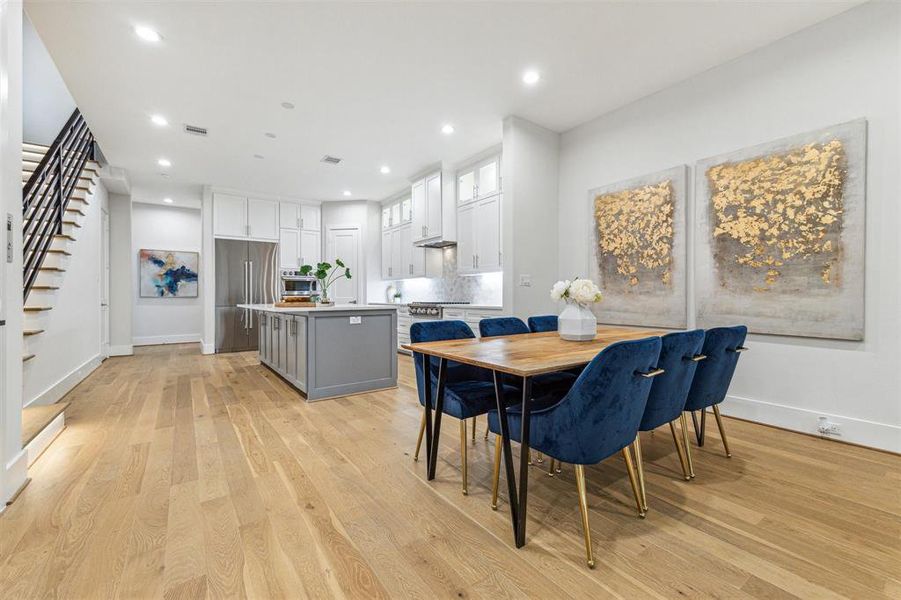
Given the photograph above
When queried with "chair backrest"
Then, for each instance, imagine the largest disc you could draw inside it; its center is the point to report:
(714, 374)
(679, 354)
(502, 326)
(601, 413)
(436, 331)
(543, 323)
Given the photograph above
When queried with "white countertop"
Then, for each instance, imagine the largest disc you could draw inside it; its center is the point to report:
(446, 306)
(304, 310)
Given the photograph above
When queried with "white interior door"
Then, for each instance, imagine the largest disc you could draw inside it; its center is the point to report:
(104, 287)
(344, 243)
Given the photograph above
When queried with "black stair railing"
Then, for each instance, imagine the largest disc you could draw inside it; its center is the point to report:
(45, 196)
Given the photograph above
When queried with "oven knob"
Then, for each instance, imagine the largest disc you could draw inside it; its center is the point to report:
(433, 311)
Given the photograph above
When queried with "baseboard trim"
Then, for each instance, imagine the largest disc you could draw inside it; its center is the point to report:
(55, 392)
(43, 440)
(871, 434)
(122, 350)
(157, 340)
(207, 348)
(14, 479)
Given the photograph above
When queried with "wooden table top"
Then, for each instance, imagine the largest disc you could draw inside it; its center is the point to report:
(530, 354)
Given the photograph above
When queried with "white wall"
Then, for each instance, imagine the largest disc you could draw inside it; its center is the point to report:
(165, 320)
(13, 460)
(47, 101)
(69, 348)
(530, 167)
(839, 70)
(122, 267)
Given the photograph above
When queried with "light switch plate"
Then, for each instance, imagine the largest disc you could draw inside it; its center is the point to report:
(525, 280)
(356, 320)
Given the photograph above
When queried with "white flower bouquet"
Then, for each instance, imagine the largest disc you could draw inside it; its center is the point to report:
(581, 291)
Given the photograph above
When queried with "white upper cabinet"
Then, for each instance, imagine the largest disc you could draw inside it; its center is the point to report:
(479, 181)
(386, 254)
(289, 215)
(479, 236)
(310, 247)
(289, 248)
(406, 210)
(386, 217)
(433, 205)
(466, 251)
(262, 219)
(229, 215)
(310, 217)
(417, 199)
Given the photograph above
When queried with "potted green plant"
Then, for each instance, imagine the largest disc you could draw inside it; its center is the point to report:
(327, 274)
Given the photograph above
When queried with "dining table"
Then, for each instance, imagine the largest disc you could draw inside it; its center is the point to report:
(525, 356)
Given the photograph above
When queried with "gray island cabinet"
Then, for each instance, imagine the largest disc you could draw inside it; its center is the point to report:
(326, 352)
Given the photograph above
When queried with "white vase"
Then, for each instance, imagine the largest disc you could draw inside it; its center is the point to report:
(577, 323)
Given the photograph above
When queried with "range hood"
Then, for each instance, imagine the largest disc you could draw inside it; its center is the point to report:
(436, 243)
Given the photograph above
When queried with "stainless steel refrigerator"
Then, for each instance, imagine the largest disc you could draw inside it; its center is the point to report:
(246, 273)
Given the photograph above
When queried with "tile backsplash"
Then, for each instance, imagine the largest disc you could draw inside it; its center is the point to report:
(484, 289)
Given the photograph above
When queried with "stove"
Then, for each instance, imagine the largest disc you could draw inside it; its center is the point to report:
(430, 310)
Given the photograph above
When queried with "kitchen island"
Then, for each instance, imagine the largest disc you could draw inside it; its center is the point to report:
(329, 351)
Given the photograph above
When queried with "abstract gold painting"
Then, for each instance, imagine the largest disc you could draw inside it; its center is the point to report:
(638, 250)
(781, 235)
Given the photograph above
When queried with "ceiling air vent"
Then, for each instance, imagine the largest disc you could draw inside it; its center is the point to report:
(332, 160)
(195, 130)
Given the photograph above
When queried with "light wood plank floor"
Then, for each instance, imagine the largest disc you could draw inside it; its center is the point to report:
(189, 476)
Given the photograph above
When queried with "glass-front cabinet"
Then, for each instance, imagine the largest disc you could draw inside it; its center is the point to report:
(479, 180)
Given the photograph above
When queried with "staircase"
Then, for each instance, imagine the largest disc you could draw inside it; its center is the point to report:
(58, 182)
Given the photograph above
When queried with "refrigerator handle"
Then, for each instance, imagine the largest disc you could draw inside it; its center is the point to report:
(250, 279)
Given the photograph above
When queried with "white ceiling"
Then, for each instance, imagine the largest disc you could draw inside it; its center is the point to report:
(373, 82)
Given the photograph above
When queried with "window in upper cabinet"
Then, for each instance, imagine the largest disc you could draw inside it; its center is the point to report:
(395, 213)
(466, 186)
(386, 217)
(406, 212)
(488, 178)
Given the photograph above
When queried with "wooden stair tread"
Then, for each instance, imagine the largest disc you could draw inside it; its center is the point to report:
(56, 269)
(31, 332)
(44, 287)
(64, 236)
(27, 357)
(37, 308)
(36, 417)
(58, 251)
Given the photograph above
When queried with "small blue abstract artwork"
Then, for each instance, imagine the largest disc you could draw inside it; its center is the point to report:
(168, 274)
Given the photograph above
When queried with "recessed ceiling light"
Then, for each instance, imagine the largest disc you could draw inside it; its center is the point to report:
(166, 175)
(159, 120)
(385, 169)
(258, 156)
(164, 162)
(147, 34)
(347, 193)
(167, 200)
(447, 129)
(531, 77)
(269, 134)
(287, 105)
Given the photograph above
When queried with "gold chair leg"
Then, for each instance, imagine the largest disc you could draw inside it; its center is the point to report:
(639, 466)
(680, 451)
(463, 455)
(419, 439)
(719, 423)
(557, 469)
(583, 509)
(474, 429)
(633, 479)
(540, 458)
(686, 445)
(550, 468)
(498, 448)
(486, 429)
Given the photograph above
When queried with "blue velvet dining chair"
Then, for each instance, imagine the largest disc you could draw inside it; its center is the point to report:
(680, 354)
(548, 384)
(597, 418)
(468, 390)
(722, 345)
(542, 323)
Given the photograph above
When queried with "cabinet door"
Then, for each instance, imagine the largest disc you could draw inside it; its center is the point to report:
(386, 217)
(406, 210)
(262, 219)
(433, 205)
(404, 265)
(310, 217)
(466, 186)
(418, 269)
(229, 215)
(397, 269)
(300, 349)
(488, 235)
(417, 199)
(386, 254)
(290, 347)
(264, 337)
(489, 179)
(289, 248)
(310, 248)
(282, 364)
(289, 215)
(466, 254)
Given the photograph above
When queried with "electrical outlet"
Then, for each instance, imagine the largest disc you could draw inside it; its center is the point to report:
(356, 320)
(525, 280)
(827, 427)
